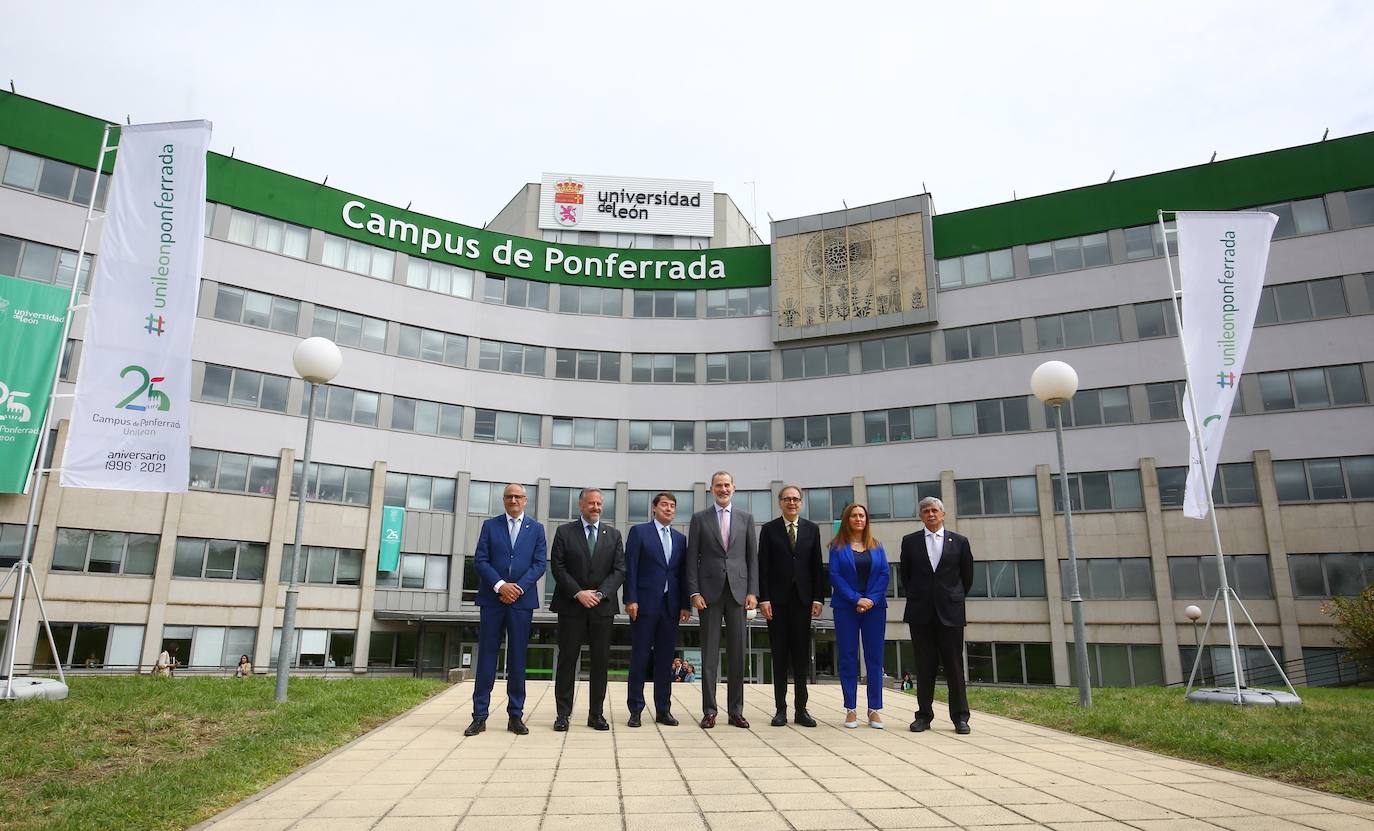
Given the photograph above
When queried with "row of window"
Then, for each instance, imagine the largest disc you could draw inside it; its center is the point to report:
(41, 263)
(59, 180)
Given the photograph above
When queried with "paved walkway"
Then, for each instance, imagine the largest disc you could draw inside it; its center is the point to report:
(418, 773)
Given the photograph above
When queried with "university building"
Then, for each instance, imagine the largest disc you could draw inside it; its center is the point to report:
(878, 354)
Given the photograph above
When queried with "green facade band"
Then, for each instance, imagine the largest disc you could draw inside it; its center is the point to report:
(31, 318)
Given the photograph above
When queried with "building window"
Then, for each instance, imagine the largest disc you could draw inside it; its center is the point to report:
(899, 501)
(1010, 663)
(585, 433)
(1317, 480)
(738, 302)
(1154, 320)
(334, 483)
(815, 361)
(824, 505)
(439, 277)
(1294, 302)
(681, 304)
(91, 645)
(1315, 388)
(399, 649)
(975, 269)
(324, 566)
(484, 498)
(590, 300)
(252, 308)
(204, 559)
(104, 552)
(642, 509)
(563, 504)
(514, 358)
(663, 369)
(1215, 669)
(1111, 578)
(359, 257)
(737, 367)
(758, 503)
(506, 428)
(49, 177)
(818, 431)
(1166, 401)
(1144, 241)
(343, 404)
(996, 415)
(244, 388)
(586, 365)
(899, 424)
(1069, 254)
(1326, 666)
(320, 648)
(997, 496)
(662, 436)
(217, 470)
(1121, 665)
(422, 572)
(513, 291)
(209, 646)
(1008, 578)
(1234, 486)
(1115, 490)
(738, 436)
(419, 493)
(984, 341)
(1301, 216)
(894, 353)
(1088, 328)
(1092, 407)
(1330, 575)
(267, 234)
(11, 544)
(67, 371)
(1360, 203)
(1196, 577)
(42, 263)
(429, 417)
(349, 329)
(431, 345)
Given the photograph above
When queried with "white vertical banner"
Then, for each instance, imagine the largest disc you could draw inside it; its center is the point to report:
(1221, 257)
(130, 427)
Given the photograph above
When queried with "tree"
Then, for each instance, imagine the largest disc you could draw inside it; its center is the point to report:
(1354, 618)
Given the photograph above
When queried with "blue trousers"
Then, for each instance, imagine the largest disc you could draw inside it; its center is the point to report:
(851, 628)
(514, 625)
(656, 634)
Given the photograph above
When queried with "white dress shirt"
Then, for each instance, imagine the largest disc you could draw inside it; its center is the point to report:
(665, 538)
(513, 528)
(935, 544)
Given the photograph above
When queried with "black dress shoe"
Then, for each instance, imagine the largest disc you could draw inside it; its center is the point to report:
(779, 719)
(962, 728)
(598, 723)
(739, 721)
(476, 727)
(560, 724)
(634, 720)
(667, 718)
(920, 725)
(804, 719)
(516, 726)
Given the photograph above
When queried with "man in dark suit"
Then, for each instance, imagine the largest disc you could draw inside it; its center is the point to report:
(723, 582)
(588, 561)
(654, 555)
(937, 573)
(790, 592)
(510, 559)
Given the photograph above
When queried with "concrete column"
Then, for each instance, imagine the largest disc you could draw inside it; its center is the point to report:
(1049, 543)
(162, 581)
(947, 497)
(860, 489)
(1279, 577)
(1159, 567)
(376, 502)
(271, 576)
(44, 543)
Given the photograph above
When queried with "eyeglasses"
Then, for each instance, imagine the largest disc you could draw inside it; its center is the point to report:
(515, 496)
(790, 499)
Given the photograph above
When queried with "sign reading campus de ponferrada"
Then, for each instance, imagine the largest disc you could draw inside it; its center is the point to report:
(31, 318)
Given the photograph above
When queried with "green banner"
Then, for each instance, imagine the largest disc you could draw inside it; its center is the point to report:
(393, 522)
(31, 318)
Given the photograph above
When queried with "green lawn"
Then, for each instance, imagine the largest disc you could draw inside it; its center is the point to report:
(155, 753)
(1327, 743)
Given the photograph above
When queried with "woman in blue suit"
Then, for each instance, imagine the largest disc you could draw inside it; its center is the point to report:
(859, 576)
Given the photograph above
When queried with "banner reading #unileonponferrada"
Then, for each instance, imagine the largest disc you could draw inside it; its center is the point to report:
(31, 319)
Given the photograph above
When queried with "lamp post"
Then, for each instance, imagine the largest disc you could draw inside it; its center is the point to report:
(1055, 382)
(1194, 613)
(317, 360)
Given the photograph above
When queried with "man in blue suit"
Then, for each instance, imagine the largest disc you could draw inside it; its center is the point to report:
(510, 559)
(654, 558)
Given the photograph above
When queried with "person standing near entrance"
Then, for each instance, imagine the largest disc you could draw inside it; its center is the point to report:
(588, 561)
(859, 577)
(723, 582)
(791, 589)
(510, 559)
(656, 604)
(937, 573)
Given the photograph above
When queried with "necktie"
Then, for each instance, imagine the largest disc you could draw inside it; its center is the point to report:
(724, 517)
(591, 539)
(514, 525)
(667, 539)
(933, 550)
(792, 534)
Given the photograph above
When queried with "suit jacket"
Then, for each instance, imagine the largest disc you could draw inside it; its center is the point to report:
(785, 573)
(709, 563)
(523, 565)
(844, 578)
(575, 568)
(936, 596)
(646, 573)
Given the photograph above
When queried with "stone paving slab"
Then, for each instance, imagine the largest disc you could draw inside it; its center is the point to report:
(419, 773)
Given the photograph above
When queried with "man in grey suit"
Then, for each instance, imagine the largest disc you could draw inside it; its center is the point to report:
(722, 573)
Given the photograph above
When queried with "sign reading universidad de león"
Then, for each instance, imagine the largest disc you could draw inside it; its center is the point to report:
(130, 426)
(31, 318)
(627, 205)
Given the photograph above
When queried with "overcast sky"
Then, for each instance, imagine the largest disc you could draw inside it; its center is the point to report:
(453, 106)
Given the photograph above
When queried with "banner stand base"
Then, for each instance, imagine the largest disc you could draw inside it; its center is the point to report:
(23, 687)
(1248, 695)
